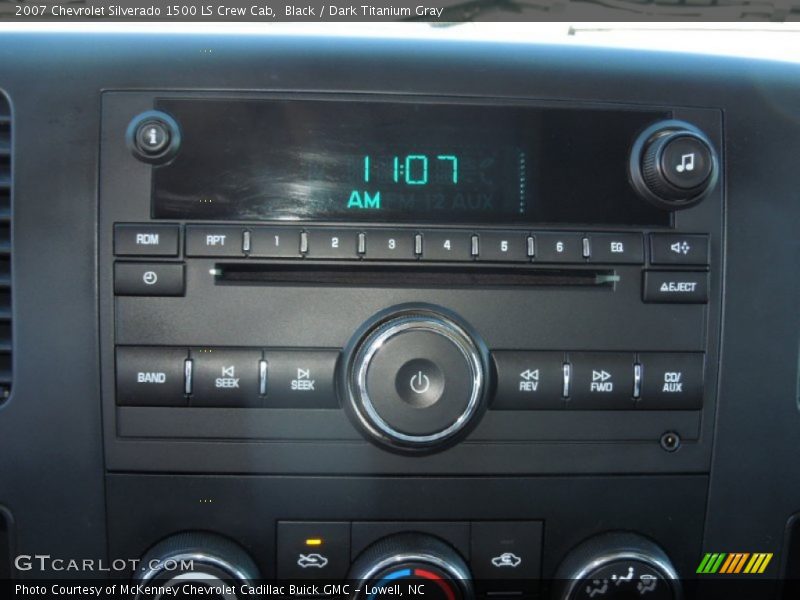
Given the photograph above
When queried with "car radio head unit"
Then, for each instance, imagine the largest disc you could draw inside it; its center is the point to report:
(431, 274)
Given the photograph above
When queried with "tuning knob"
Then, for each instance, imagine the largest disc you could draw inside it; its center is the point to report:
(411, 559)
(615, 566)
(415, 379)
(673, 165)
(204, 560)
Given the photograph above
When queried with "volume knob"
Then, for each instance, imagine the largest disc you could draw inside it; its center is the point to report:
(673, 165)
(415, 379)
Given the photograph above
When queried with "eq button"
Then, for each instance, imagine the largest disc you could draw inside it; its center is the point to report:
(616, 248)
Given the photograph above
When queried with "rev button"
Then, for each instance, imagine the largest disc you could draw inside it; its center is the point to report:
(529, 380)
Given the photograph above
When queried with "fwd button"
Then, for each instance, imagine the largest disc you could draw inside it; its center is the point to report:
(601, 380)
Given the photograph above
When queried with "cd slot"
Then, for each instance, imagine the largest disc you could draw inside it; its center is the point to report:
(417, 276)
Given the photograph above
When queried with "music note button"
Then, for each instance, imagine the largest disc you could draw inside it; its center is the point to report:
(686, 162)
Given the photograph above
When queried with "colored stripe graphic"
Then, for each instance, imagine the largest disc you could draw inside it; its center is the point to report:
(728, 562)
(734, 563)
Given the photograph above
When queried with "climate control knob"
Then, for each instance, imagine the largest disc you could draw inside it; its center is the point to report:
(415, 379)
(205, 562)
(421, 565)
(673, 165)
(616, 566)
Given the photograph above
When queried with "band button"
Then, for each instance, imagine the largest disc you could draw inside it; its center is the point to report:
(150, 376)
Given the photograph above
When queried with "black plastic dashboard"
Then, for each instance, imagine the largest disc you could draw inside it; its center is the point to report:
(89, 468)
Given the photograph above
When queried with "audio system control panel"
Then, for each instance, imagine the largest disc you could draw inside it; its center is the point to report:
(420, 274)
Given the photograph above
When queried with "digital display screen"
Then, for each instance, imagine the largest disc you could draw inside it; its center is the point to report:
(398, 162)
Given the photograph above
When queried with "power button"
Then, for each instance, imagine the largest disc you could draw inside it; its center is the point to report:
(420, 382)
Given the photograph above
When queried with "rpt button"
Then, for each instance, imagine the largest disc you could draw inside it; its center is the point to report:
(214, 241)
